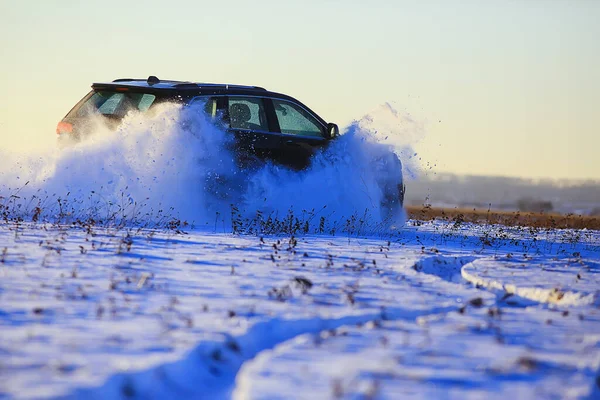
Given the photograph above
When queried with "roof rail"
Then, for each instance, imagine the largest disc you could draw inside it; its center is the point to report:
(229, 85)
(244, 87)
(153, 80)
(186, 85)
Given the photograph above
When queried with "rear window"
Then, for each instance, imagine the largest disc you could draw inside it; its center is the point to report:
(113, 104)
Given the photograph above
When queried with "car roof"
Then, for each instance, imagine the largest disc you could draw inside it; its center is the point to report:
(187, 89)
(153, 82)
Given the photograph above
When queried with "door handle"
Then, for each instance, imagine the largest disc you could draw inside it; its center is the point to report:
(291, 143)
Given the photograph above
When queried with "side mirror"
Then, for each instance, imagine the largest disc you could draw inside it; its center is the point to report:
(332, 131)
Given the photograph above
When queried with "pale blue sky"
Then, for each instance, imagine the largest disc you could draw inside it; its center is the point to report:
(516, 84)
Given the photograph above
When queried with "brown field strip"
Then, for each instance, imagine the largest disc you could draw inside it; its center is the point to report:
(508, 218)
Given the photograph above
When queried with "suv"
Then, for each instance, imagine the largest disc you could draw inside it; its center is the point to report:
(266, 125)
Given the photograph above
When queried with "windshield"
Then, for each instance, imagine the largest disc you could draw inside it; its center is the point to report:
(112, 103)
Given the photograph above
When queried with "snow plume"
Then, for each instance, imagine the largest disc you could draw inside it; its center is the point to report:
(174, 165)
(344, 184)
(152, 169)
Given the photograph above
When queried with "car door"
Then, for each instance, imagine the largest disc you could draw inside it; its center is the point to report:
(301, 133)
(256, 139)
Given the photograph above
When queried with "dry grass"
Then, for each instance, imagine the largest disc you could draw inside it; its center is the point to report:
(509, 218)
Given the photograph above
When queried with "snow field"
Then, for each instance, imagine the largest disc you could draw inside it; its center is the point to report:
(430, 311)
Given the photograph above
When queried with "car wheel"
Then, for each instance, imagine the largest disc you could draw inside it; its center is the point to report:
(392, 204)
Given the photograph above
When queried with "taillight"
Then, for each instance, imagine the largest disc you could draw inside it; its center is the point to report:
(64, 127)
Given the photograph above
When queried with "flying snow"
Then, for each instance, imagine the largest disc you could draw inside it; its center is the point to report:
(174, 164)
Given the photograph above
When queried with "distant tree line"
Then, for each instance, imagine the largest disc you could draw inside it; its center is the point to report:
(579, 197)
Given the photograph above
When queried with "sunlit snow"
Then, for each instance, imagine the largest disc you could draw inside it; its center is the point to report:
(125, 272)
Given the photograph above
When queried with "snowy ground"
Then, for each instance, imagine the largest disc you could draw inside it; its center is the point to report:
(430, 311)
(436, 310)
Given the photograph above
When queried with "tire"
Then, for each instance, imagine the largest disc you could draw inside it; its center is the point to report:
(392, 206)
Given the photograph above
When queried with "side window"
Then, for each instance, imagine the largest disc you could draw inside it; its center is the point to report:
(294, 120)
(247, 113)
(209, 105)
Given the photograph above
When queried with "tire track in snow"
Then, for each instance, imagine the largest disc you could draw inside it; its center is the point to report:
(445, 267)
(211, 368)
(485, 273)
(473, 270)
(355, 361)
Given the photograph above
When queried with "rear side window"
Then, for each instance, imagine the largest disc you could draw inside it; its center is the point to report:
(294, 120)
(114, 104)
(247, 113)
(209, 105)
